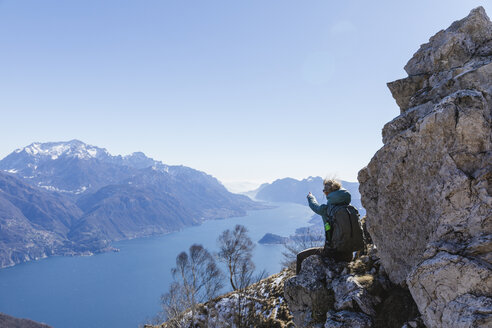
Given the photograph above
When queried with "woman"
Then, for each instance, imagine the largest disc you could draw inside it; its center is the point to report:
(335, 196)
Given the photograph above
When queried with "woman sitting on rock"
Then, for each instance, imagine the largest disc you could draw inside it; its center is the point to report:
(342, 230)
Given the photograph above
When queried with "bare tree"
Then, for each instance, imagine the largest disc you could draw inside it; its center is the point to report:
(245, 314)
(236, 250)
(173, 303)
(197, 279)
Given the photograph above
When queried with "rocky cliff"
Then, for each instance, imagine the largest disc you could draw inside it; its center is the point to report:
(428, 190)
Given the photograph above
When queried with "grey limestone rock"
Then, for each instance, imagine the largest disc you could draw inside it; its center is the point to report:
(468, 311)
(464, 40)
(348, 319)
(353, 294)
(453, 59)
(307, 293)
(416, 323)
(350, 293)
(428, 190)
(453, 291)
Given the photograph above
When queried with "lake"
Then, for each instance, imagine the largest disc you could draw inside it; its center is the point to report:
(123, 289)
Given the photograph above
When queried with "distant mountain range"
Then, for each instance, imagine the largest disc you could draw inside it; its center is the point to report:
(68, 198)
(295, 191)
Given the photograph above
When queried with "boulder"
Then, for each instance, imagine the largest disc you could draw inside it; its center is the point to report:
(450, 291)
(457, 58)
(428, 190)
(349, 293)
(326, 293)
(348, 319)
(307, 294)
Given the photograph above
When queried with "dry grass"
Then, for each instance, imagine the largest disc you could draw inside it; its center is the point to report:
(366, 280)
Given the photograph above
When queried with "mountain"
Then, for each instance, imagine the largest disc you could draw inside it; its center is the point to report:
(295, 191)
(7, 321)
(72, 167)
(63, 198)
(34, 223)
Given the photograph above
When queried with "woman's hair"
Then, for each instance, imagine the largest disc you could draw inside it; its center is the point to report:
(331, 185)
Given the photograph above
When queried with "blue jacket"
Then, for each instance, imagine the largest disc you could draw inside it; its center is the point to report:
(334, 198)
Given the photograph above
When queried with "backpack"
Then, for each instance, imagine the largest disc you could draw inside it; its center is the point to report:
(345, 233)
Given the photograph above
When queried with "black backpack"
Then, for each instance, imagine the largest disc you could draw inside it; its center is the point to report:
(345, 233)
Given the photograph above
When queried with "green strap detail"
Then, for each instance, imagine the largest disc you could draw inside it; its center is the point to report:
(327, 226)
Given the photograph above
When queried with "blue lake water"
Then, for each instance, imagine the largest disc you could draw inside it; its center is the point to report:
(123, 289)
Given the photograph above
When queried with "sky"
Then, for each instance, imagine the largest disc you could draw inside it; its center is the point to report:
(247, 91)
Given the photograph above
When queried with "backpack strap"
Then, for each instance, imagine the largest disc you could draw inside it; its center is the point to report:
(329, 224)
(351, 227)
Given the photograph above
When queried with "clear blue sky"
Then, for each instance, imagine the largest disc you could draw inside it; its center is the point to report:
(243, 90)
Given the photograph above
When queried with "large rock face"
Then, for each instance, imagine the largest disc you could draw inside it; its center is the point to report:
(428, 191)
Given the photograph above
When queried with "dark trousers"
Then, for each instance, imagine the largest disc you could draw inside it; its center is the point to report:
(324, 252)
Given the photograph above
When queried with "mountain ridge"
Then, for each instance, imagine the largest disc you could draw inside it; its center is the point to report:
(72, 198)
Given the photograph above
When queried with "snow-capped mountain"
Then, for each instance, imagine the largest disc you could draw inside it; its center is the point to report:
(73, 167)
(110, 198)
(42, 152)
(72, 148)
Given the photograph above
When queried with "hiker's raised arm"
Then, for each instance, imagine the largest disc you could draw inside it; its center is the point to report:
(313, 204)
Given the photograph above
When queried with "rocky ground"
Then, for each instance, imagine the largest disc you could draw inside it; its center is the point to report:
(324, 294)
(355, 294)
(260, 305)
